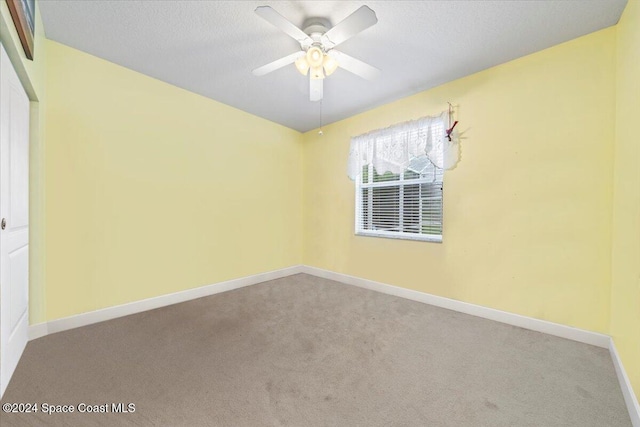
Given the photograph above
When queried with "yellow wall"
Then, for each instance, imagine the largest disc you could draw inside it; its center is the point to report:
(32, 76)
(625, 299)
(528, 209)
(152, 189)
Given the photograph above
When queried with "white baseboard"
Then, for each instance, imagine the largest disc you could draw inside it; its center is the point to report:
(563, 331)
(84, 319)
(38, 330)
(625, 384)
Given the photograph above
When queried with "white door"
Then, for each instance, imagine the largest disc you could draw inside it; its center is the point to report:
(14, 222)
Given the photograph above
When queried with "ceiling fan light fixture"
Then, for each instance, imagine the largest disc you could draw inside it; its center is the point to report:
(302, 65)
(315, 56)
(329, 64)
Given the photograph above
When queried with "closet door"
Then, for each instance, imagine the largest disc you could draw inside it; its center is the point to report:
(14, 222)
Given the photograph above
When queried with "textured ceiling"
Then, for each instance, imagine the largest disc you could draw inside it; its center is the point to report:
(210, 47)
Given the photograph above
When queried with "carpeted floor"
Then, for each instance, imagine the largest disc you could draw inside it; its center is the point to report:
(304, 351)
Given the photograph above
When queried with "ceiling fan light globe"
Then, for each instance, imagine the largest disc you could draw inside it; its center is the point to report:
(330, 65)
(302, 65)
(315, 57)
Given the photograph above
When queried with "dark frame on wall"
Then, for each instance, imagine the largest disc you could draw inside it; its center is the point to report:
(23, 13)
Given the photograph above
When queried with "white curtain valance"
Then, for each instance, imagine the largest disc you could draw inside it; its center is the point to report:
(394, 148)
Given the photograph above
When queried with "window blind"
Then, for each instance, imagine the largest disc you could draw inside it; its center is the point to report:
(406, 205)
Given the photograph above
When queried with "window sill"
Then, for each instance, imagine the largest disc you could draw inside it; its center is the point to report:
(407, 236)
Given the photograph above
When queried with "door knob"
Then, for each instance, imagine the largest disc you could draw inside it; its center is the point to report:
(4, 223)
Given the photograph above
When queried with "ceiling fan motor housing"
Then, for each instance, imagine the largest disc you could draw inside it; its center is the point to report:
(315, 28)
(316, 25)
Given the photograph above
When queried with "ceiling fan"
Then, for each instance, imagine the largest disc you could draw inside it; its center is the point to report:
(317, 56)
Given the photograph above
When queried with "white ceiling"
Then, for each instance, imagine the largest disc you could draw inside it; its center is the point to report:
(210, 47)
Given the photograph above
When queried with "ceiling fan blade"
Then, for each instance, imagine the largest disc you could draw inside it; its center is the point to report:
(315, 89)
(354, 65)
(358, 21)
(274, 18)
(279, 63)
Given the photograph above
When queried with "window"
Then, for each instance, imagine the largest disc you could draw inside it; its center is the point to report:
(398, 174)
(407, 205)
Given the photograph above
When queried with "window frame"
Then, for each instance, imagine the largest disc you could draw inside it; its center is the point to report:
(400, 183)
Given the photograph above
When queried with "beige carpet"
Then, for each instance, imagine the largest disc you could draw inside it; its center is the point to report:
(304, 351)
